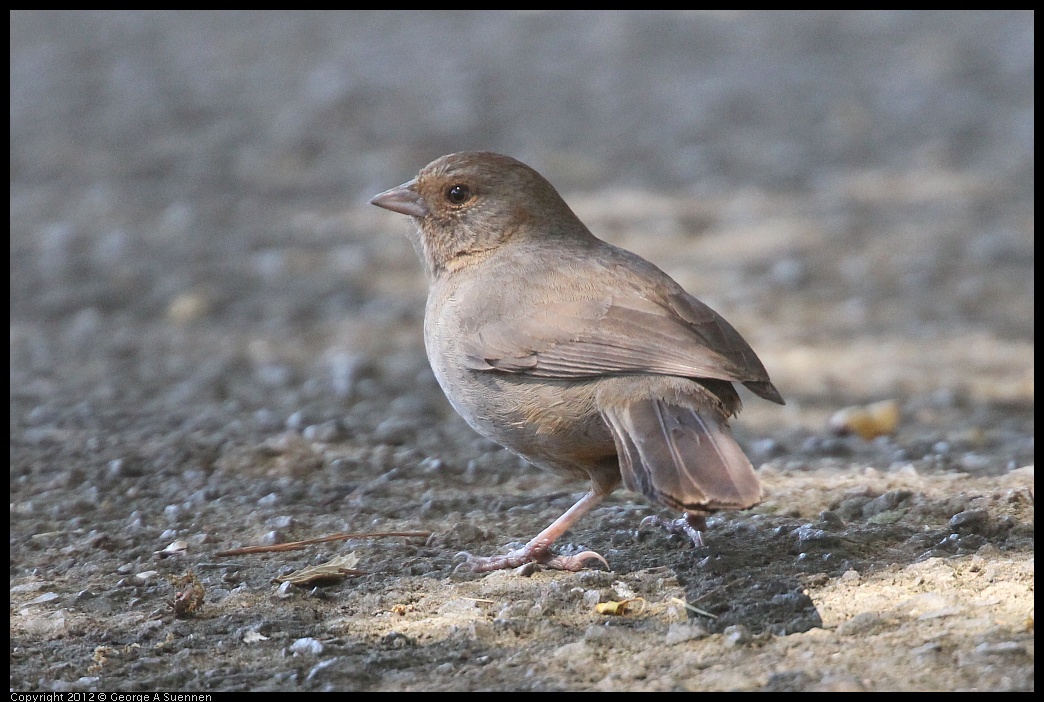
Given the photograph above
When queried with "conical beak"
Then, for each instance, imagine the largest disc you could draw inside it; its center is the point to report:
(404, 199)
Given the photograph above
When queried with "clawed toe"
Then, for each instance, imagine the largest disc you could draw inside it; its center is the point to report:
(465, 561)
(653, 521)
(691, 525)
(576, 562)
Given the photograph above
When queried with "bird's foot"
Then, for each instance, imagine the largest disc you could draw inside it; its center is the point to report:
(692, 525)
(530, 553)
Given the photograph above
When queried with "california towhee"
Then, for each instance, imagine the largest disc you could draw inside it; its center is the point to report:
(583, 358)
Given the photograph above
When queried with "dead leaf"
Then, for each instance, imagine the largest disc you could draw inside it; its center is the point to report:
(188, 601)
(334, 570)
(620, 608)
(868, 421)
(174, 549)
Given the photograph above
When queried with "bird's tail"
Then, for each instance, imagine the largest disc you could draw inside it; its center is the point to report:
(681, 457)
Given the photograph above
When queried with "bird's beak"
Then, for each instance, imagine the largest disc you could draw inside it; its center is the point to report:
(404, 199)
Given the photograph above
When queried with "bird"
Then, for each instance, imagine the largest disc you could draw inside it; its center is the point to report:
(581, 357)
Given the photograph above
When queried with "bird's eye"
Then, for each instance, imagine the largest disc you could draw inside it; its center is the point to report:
(458, 194)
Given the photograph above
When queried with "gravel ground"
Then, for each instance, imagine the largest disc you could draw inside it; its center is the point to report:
(215, 342)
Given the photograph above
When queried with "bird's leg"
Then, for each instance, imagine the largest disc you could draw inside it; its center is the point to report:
(690, 524)
(538, 550)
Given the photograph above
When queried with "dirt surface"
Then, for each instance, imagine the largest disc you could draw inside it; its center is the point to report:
(215, 341)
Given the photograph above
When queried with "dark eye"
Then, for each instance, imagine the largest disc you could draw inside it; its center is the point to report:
(458, 194)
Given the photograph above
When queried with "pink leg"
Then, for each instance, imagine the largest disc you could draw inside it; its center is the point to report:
(538, 550)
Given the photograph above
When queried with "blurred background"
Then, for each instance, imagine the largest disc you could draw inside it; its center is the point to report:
(853, 190)
(215, 338)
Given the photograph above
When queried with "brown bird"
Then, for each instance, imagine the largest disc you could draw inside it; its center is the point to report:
(581, 357)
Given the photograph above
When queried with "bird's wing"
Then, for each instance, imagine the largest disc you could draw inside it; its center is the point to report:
(621, 333)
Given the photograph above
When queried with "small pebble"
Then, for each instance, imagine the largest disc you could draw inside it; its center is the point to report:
(972, 520)
(1001, 648)
(145, 576)
(737, 635)
(685, 631)
(307, 645)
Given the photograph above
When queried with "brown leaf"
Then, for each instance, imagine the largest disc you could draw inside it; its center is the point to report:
(618, 609)
(188, 601)
(334, 570)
